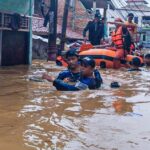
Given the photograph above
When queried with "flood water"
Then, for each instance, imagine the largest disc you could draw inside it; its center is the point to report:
(34, 116)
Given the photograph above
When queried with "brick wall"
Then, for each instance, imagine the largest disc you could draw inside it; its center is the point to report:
(81, 14)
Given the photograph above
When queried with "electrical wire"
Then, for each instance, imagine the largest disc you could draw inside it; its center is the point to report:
(122, 5)
(127, 10)
(118, 10)
(121, 2)
(138, 7)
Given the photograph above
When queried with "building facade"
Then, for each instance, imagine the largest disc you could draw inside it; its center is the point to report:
(15, 32)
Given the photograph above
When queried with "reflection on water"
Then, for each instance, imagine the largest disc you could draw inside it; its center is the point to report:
(36, 116)
(121, 106)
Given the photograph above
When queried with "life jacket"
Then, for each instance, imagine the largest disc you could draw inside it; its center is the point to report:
(61, 62)
(117, 38)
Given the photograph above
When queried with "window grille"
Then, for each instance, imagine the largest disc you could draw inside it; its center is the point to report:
(24, 22)
(7, 20)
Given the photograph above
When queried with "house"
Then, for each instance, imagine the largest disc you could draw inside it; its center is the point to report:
(137, 5)
(38, 20)
(78, 16)
(88, 4)
(40, 33)
(15, 32)
(80, 12)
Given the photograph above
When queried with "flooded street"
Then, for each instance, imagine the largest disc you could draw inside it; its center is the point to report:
(34, 116)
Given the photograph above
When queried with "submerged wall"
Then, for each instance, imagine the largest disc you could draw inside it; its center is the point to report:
(19, 48)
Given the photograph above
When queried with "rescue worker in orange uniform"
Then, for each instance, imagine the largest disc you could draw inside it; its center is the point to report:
(121, 40)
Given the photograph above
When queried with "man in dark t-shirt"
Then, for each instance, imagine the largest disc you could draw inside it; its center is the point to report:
(96, 30)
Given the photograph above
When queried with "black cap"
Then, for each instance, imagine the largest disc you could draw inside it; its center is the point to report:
(97, 16)
(71, 53)
(130, 15)
(136, 62)
(114, 85)
(87, 61)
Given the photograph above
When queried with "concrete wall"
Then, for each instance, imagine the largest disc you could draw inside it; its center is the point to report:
(39, 49)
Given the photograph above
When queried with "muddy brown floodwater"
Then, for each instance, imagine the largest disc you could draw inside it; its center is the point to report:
(34, 116)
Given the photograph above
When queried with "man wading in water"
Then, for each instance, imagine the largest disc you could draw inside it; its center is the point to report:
(72, 74)
(88, 77)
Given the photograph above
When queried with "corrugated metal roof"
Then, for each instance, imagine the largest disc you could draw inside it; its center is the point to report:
(143, 8)
(133, 1)
(88, 4)
(119, 12)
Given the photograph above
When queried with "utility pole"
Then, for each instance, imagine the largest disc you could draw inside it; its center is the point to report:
(30, 33)
(94, 7)
(105, 21)
(64, 24)
(108, 16)
(52, 49)
(73, 14)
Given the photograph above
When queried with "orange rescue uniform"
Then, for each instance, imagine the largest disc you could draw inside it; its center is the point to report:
(117, 39)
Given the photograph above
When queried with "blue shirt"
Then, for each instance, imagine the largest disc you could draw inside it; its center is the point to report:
(68, 74)
(91, 83)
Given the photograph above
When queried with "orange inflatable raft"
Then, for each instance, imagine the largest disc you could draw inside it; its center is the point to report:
(105, 57)
(102, 57)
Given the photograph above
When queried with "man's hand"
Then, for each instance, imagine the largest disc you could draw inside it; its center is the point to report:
(48, 78)
(66, 80)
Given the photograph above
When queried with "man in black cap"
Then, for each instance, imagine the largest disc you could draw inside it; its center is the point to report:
(96, 30)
